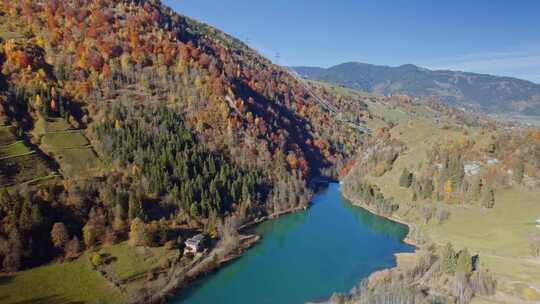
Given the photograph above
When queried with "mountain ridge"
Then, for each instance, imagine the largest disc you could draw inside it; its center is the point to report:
(484, 92)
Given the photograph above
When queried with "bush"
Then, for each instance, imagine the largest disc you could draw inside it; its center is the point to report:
(488, 200)
(96, 259)
(535, 245)
(442, 215)
(448, 258)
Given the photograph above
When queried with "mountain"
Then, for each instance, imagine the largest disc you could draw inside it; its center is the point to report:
(487, 93)
(126, 121)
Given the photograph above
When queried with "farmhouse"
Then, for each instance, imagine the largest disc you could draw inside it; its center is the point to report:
(194, 244)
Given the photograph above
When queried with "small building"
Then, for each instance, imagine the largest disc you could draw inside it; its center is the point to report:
(538, 223)
(195, 244)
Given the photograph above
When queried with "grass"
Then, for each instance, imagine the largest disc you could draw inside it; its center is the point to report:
(70, 148)
(73, 282)
(43, 125)
(76, 282)
(22, 169)
(6, 136)
(130, 263)
(14, 149)
(77, 160)
(419, 135)
(62, 140)
(499, 235)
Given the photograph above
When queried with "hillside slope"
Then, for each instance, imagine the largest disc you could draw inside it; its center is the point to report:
(466, 181)
(125, 121)
(487, 93)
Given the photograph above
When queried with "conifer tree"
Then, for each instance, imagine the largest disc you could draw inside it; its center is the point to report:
(448, 258)
(488, 199)
(406, 178)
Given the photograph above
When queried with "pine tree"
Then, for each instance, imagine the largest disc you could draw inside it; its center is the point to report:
(427, 189)
(406, 178)
(448, 258)
(488, 199)
(519, 172)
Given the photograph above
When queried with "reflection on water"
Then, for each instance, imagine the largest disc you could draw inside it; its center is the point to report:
(306, 256)
(376, 223)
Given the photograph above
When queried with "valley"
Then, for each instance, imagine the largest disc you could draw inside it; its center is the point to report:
(146, 157)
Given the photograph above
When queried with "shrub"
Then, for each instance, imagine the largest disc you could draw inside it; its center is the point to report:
(96, 259)
(488, 200)
(442, 215)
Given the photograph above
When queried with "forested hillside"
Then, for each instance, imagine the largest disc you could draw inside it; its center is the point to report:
(466, 185)
(124, 120)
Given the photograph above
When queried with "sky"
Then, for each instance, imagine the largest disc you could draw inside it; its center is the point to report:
(500, 37)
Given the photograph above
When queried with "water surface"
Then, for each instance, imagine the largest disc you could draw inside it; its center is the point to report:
(306, 256)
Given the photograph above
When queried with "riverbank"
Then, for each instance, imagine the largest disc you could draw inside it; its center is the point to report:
(208, 263)
(305, 256)
(409, 239)
(517, 275)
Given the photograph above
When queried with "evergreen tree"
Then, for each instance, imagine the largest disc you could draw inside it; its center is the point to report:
(488, 199)
(448, 258)
(406, 178)
(519, 172)
(427, 189)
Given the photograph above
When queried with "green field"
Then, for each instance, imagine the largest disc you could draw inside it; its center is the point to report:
(62, 140)
(76, 282)
(19, 163)
(21, 169)
(70, 148)
(499, 235)
(43, 126)
(131, 263)
(73, 282)
(6, 136)
(14, 149)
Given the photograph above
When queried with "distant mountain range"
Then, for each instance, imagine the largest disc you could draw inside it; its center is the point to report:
(487, 93)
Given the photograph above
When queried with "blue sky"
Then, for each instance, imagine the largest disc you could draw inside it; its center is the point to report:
(500, 37)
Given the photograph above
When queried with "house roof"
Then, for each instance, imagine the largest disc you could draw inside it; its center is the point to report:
(195, 240)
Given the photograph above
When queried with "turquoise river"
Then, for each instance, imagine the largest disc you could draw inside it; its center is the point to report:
(305, 256)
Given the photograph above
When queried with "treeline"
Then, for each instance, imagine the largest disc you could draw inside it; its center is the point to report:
(471, 168)
(156, 143)
(371, 195)
(98, 50)
(22, 233)
(439, 275)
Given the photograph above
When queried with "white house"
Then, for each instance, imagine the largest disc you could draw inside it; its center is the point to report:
(194, 244)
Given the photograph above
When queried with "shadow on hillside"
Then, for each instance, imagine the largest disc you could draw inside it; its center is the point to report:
(5, 279)
(299, 128)
(55, 299)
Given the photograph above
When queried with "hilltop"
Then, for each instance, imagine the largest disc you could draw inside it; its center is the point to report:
(491, 94)
(465, 184)
(126, 128)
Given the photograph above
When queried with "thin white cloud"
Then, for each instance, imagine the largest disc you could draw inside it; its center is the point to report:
(522, 63)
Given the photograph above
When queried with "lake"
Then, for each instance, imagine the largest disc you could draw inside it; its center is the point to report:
(305, 256)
